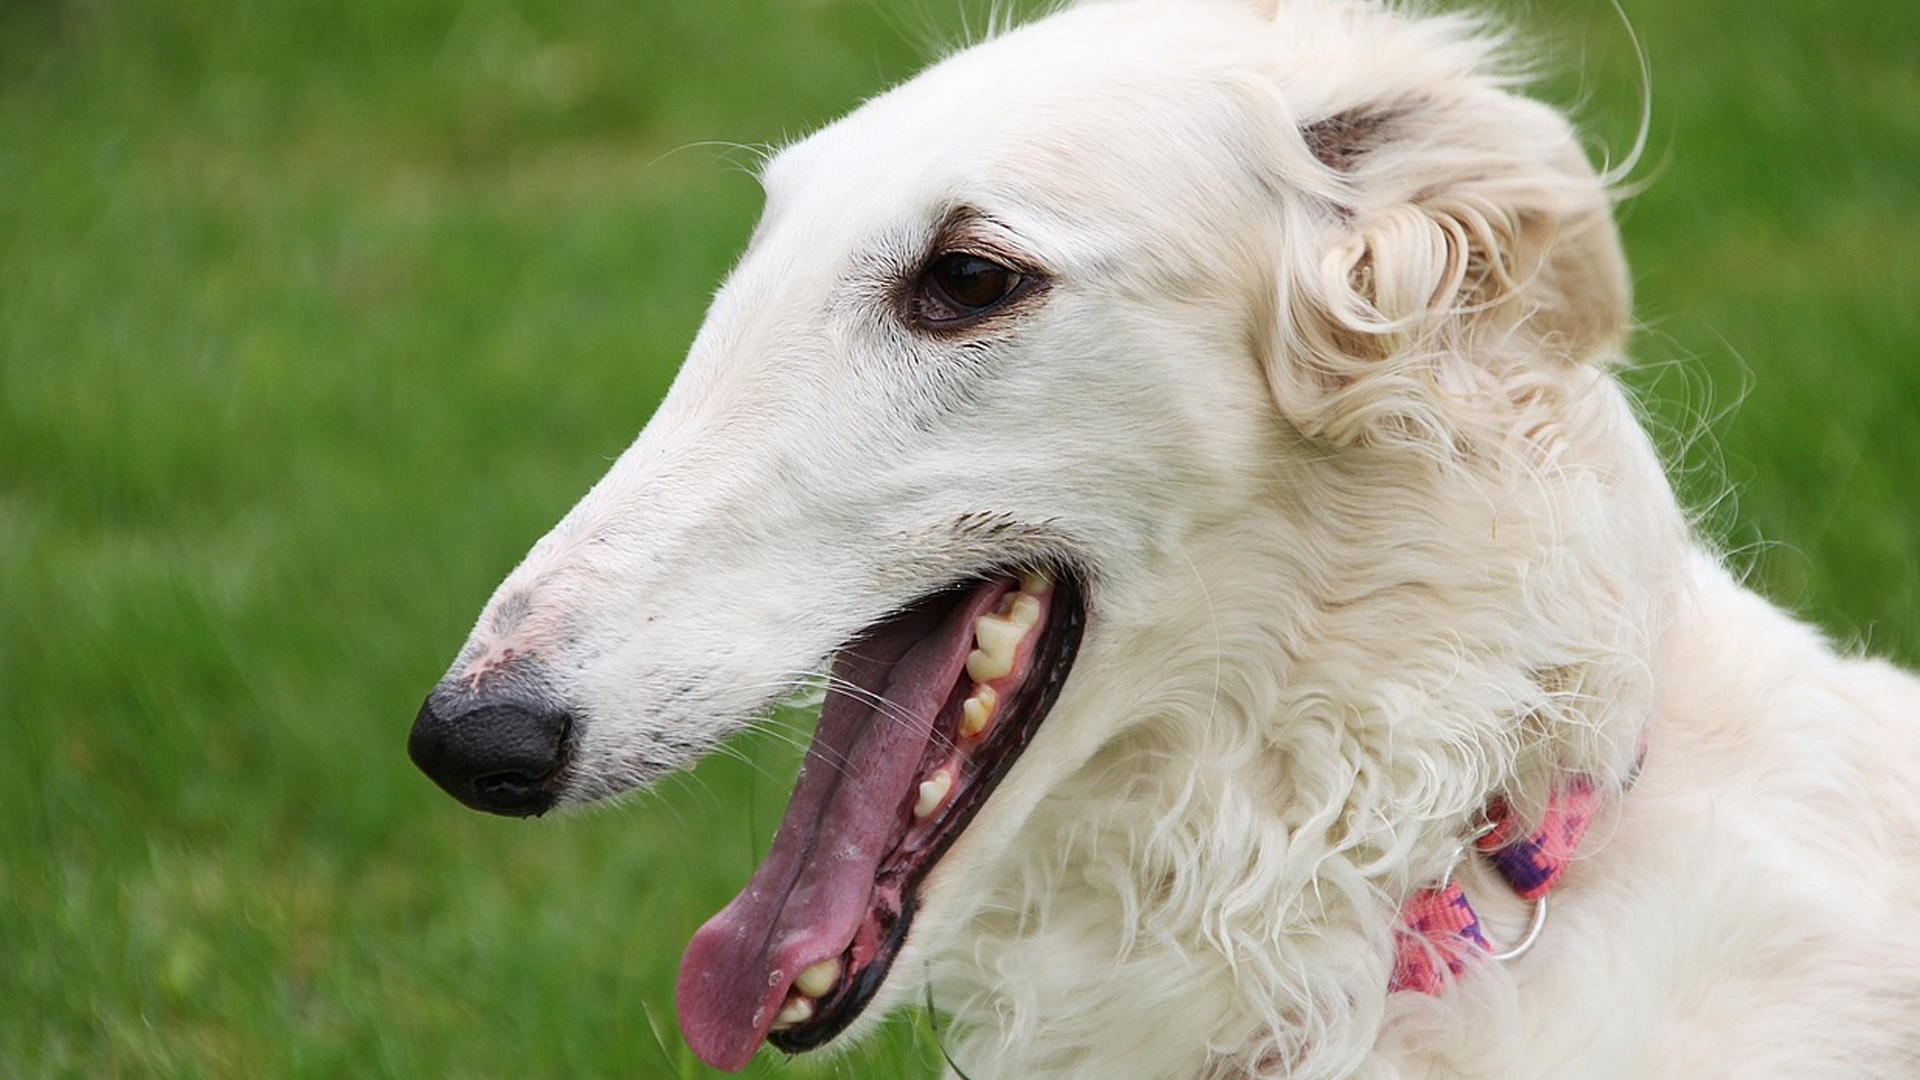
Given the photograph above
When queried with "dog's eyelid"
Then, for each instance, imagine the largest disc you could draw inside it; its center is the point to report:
(985, 252)
(967, 230)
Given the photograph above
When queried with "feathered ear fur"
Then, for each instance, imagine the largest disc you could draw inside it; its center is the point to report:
(1467, 268)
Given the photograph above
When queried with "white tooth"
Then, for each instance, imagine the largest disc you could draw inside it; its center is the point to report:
(1036, 583)
(797, 1010)
(998, 636)
(1026, 611)
(977, 710)
(819, 978)
(933, 792)
(982, 667)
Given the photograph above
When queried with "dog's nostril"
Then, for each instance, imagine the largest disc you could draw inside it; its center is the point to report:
(501, 757)
(507, 789)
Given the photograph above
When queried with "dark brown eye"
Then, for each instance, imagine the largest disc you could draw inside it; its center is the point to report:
(958, 286)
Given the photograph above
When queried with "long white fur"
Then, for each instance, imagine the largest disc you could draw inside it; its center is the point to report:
(1372, 536)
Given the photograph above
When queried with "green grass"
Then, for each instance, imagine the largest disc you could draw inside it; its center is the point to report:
(314, 315)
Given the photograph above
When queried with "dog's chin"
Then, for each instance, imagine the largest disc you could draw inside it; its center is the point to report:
(925, 713)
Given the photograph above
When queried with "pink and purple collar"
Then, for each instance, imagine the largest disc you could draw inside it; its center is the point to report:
(1439, 936)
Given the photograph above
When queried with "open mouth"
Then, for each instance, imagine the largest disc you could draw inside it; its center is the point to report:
(925, 712)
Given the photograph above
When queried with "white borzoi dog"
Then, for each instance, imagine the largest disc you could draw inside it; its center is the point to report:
(1184, 431)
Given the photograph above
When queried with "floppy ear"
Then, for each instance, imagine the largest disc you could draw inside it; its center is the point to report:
(1465, 267)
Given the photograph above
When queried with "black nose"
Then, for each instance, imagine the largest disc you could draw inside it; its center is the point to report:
(498, 756)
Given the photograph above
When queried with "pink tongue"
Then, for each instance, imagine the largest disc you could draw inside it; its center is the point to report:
(849, 808)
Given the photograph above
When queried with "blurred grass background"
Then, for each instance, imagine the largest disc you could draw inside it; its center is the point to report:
(314, 315)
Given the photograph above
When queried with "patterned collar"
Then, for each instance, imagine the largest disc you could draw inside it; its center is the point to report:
(1439, 935)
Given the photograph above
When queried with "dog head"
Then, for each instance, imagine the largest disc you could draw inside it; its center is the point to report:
(1206, 376)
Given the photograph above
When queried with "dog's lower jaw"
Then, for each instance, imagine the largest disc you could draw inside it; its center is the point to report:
(925, 713)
